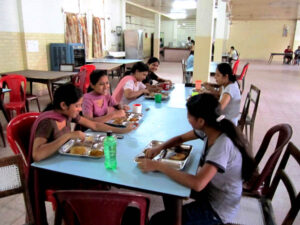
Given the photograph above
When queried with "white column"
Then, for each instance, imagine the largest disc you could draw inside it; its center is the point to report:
(156, 41)
(123, 14)
(203, 38)
(226, 34)
(175, 24)
(220, 31)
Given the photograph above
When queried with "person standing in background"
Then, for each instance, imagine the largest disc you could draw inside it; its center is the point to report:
(189, 64)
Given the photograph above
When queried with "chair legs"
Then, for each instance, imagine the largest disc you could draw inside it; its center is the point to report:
(2, 135)
(30, 98)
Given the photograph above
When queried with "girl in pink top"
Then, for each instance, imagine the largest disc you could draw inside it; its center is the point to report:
(97, 103)
(131, 86)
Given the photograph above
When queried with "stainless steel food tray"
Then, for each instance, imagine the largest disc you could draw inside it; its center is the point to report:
(131, 117)
(165, 155)
(92, 141)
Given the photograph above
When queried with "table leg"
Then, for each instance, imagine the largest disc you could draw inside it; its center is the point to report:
(4, 111)
(49, 85)
(30, 87)
(173, 207)
(270, 59)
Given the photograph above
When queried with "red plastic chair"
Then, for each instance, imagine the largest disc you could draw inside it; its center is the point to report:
(17, 95)
(18, 136)
(235, 67)
(241, 78)
(97, 207)
(259, 184)
(89, 68)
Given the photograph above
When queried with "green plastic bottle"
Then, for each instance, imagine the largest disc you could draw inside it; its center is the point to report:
(110, 151)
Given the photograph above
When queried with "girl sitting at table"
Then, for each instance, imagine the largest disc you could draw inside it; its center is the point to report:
(153, 64)
(53, 127)
(97, 104)
(225, 163)
(131, 87)
(229, 92)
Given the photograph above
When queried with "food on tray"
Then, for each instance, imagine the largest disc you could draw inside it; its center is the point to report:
(178, 156)
(89, 139)
(133, 119)
(96, 152)
(119, 121)
(78, 150)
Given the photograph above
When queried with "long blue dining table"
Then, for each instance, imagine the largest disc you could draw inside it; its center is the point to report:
(161, 121)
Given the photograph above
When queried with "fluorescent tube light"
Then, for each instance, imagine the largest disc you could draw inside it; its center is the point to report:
(184, 4)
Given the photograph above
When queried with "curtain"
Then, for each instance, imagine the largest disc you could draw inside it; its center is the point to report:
(97, 39)
(72, 34)
(84, 34)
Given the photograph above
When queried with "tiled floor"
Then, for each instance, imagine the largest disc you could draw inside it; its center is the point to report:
(279, 103)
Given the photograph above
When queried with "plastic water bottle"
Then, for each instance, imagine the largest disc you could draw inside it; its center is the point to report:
(110, 150)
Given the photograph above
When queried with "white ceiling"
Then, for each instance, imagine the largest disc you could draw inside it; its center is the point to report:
(240, 9)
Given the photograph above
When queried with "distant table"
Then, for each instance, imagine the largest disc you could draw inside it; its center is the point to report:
(119, 61)
(2, 91)
(274, 54)
(44, 77)
(212, 68)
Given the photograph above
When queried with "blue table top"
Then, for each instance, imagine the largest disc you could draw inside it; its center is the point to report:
(120, 61)
(160, 122)
(212, 67)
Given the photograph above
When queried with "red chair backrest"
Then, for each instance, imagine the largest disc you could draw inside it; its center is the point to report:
(97, 207)
(261, 184)
(244, 71)
(89, 68)
(17, 84)
(18, 133)
(235, 67)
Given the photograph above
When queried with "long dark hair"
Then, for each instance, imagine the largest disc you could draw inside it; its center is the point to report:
(139, 66)
(207, 107)
(67, 93)
(153, 60)
(95, 77)
(225, 68)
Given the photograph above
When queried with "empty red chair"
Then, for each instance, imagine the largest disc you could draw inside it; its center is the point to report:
(97, 207)
(18, 136)
(17, 95)
(235, 67)
(241, 78)
(89, 68)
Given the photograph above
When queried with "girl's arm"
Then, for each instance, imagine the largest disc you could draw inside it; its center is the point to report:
(225, 101)
(196, 182)
(42, 149)
(97, 126)
(130, 94)
(112, 115)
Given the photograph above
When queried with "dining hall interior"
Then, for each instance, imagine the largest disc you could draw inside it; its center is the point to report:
(49, 42)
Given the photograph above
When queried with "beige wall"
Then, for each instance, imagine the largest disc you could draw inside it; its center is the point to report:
(257, 39)
(11, 54)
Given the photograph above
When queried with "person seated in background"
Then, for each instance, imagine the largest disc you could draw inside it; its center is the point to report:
(288, 55)
(229, 92)
(97, 104)
(297, 56)
(153, 64)
(53, 127)
(233, 54)
(189, 65)
(131, 86)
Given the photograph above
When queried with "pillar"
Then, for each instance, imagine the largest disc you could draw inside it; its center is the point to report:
(203, 38)
(220, 28)
(156, 42)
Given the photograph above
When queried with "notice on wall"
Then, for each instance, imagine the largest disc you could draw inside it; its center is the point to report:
(32, 46)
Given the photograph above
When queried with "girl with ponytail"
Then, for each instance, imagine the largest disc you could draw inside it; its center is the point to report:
(225, 164)
(229, 93)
